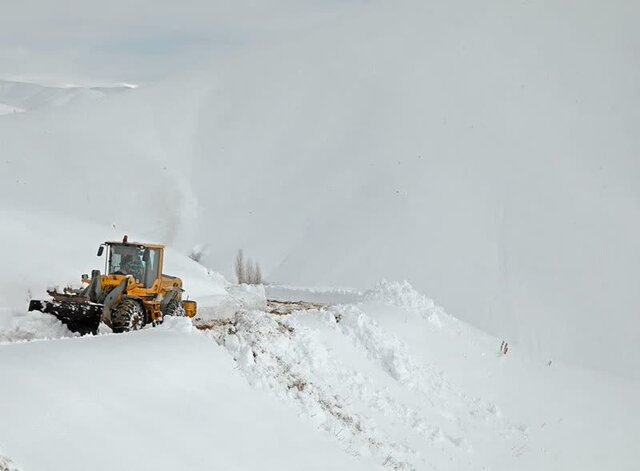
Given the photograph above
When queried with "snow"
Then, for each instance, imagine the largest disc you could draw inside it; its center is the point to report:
(385, 380)
(162, 398)
(17, 96)
(8, 109)
(375, 375)
(488, 158)
(374, 384)
(496, 171)
(69, 250)
(18, 325)
(312, 294)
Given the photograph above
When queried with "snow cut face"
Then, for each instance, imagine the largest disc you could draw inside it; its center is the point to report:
(362, 386)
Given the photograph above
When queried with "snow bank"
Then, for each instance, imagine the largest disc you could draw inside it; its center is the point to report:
(388, 381)
(17, 325)
(164, 398)
(362, 386)
(403, 295)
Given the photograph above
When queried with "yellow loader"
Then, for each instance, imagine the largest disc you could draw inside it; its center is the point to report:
(133, 292)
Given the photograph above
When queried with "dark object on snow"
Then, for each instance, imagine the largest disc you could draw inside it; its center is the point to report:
(83, 318)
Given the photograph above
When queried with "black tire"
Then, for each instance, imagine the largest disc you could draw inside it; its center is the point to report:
(174, 308)
(128, 315)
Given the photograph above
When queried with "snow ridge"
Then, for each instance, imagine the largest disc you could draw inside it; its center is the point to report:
(402, 294)
(22, 96)
(361, 384)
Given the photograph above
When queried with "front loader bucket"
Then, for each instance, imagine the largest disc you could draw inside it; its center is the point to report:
(83, 318)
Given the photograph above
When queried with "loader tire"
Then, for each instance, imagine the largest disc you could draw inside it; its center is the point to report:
(174, 308)
(128, 315)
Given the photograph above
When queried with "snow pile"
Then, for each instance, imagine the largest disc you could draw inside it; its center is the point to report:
(177, 324)
(225, 305)
(362, 386)
(389, 384)
(403, 295)
(293, 365)
(16, 326)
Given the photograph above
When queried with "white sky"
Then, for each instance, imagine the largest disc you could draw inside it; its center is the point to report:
(137, 40)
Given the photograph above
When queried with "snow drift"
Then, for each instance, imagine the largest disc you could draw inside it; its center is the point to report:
(174, 402)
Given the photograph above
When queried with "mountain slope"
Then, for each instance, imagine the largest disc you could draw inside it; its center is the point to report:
(23, 96)
(489, 158)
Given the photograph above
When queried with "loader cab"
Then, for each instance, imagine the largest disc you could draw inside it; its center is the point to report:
(143, 262)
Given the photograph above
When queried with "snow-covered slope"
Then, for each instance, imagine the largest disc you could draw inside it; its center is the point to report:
(160, 399)
(7, 109)
(378, 379)
(395, 377)
(23, 96)
(389, 381)
(488, 157)
(42, 250)
(486, 151)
